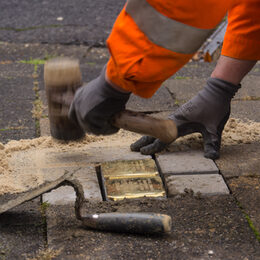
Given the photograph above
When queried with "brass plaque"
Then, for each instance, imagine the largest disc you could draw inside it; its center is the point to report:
(129, 169)
(132, 179)
(118, 189)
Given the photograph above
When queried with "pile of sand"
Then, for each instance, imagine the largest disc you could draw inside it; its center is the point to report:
(235, 132)
(11, 180)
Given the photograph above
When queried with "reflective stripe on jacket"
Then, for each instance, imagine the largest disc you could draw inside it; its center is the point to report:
(166, 32)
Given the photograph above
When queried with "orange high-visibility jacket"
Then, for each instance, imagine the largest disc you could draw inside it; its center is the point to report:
(152, 39)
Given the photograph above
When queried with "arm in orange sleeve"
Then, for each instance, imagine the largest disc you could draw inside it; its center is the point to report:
(242, 38)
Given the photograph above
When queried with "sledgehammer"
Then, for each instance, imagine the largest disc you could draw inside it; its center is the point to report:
(62, 75)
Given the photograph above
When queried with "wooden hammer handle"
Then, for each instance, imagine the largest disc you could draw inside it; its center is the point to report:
(63, 73)
(164, 129)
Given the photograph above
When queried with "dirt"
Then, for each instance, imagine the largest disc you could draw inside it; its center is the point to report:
(247, 192)
(203, 228)
(235, 132)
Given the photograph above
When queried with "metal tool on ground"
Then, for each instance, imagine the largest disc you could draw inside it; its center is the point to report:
(140, 223)
(10, 201)
(63, 75)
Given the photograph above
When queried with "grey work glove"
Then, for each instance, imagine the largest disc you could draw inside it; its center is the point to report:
(206, 113)
(95, 104)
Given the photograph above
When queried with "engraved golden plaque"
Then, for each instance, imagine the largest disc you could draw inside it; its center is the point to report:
(131, 179)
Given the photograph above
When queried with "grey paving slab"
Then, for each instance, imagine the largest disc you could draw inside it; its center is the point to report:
(240, 165)
(196, 70)
(103, 154)
(204, 184)
(249, 88)
(52, 22)
(22, 231)
(91, 59)
(17, 97)
(256, 70)
(87, 155)
(64, 195)
(203, 228)
(11, 69)
(185, 163)
(246, 110)
(239, 160)
(183, 88)
(45, 127)
(162, 100)
(204, 69)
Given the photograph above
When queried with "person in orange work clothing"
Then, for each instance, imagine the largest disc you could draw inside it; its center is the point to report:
(149, 42)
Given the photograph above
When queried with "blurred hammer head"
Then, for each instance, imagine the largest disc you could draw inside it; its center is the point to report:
(62, 77)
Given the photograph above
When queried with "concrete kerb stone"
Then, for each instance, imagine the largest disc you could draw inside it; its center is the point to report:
(189, 162)
(204, 184)
(184, 171)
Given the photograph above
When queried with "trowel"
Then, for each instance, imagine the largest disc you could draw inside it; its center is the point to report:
(140, 223)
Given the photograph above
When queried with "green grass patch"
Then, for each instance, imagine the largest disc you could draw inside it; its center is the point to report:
(249, 221)
(12, 128)
(44, 206)
(33, 61)
(49, 56)
(181, 77)
(251, 224)
(251, 98)
(177, 102)
(37, 62)
(91, 63)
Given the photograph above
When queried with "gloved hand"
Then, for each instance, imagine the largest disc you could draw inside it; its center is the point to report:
(206, 113)
(94, 105)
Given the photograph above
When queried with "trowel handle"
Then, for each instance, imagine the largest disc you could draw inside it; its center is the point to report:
(141, 223)
(164, 129)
